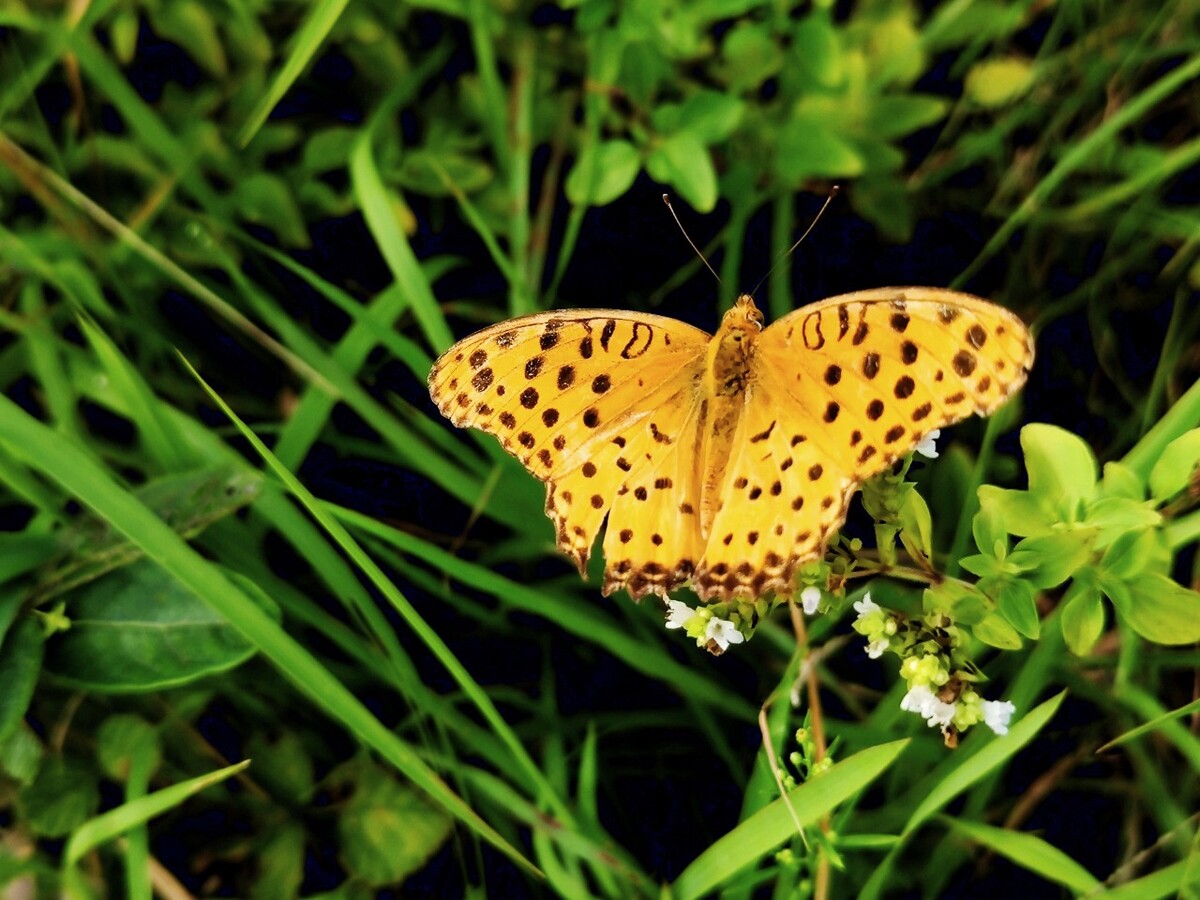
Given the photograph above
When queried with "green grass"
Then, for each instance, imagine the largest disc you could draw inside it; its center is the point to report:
(212, 396)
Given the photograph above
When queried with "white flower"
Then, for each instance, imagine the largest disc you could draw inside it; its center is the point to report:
(722, 632)
(924, 703)
(928, 447)
(680, 614)
(875, 648)
(866, 606)
(809, 598)
(997, 714)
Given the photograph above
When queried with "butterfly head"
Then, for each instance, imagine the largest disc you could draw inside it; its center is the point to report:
(731, 346)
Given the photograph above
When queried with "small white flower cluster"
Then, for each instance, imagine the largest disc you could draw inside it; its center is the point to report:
(703, 625)
(953, 710)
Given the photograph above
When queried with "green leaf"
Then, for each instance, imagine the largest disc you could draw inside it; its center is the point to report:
(816, 50)
(916, 522)
(882, 199)
(137, 629)
(616, 165)
(1062, 468)
(995, 631)
(988, 530)
(772, 825)
(1082, 615)
(1030, 852)
(985, 566)
(965, 603)
(121, 737)
(993, 83)
(1133, 553)
(21, 756)
(806, 147)
(1117, 515)
(1014, 601)
(682, 161)
(61, 798)
(891, 116)
(1049, 560)
(20, 667)
(1175, 468)
(1017, 512)
(711, 116)
(439, 172)
(1157, 608)
(387, 831)
(749, 56)
(191, 25)
(1121, 481)
(115, 822)
(267, 200)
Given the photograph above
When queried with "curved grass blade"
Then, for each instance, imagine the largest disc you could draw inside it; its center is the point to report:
(45, 451)
(773, 824)
(1029, 852)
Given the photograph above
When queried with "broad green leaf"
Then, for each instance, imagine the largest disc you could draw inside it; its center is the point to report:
(1176, 467)
(772, 825)
(61, 798)
(893, 116)
(985, 566)
(119, 738)
(1028, 851)
(916, 522)
(1116, 515)
(749, 56)
(710, 115)
(266, 199)
(1157, 608)
(1051, 559)
(387, 831)
(988, 530)
(137, 629)
(1133, 553)
(615, 167)
(1014, 601)
(1082, 615)
(682, 161)
(993, 83)
(1061, 466)
(995, 631)
(965, 603)
(191, 25)
(1017, 512)
(1121, 481)
(816, 50)
(807, 147)
(438, 172)
(21, 756)
(21, 653)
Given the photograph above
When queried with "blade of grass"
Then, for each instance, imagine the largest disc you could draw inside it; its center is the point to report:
(320, 20)
(59, 459)
(1029, 852)
(772, 825)
(365, 564)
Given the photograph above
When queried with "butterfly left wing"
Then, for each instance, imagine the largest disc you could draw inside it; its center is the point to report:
(838, 391)
(590, 401)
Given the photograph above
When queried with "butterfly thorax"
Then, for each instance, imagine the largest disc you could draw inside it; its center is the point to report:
(726, 375)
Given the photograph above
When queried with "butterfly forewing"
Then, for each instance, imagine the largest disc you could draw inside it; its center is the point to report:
(563, 392)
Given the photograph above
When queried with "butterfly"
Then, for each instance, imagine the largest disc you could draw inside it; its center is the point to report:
(725, 461)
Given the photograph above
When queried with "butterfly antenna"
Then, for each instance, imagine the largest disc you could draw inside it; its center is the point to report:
(833, 192)
(667, 200)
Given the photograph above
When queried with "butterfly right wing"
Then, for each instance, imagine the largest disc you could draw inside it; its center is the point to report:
(578, 397)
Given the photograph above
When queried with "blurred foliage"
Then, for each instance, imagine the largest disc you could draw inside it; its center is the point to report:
(278, 192)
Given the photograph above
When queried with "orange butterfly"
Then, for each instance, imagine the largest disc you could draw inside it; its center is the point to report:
(728, 460)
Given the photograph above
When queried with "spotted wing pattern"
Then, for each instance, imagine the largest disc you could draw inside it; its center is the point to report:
(837, 392)
(603, 407)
